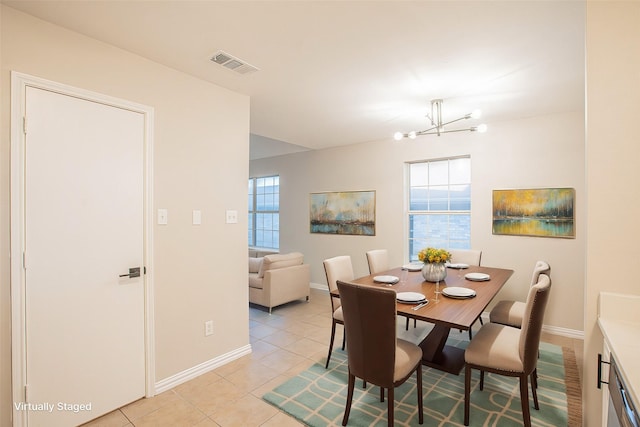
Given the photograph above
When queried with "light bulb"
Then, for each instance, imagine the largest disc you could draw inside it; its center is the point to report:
(398, 136)
(482, 128)
(476, 114)
(412, 134)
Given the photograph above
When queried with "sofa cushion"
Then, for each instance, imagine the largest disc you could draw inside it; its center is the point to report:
(255, 281)
(261, 252)
(254, 264)
(272, 262)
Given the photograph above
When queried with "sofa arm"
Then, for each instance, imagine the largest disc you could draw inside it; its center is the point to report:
(287, 284)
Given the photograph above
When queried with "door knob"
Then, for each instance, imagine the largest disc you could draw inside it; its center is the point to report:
(133, 272)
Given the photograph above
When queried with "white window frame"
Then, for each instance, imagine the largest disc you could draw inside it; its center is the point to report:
(457, 243)
(253, 213)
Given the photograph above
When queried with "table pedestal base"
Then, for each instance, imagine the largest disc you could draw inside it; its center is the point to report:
(436, 354)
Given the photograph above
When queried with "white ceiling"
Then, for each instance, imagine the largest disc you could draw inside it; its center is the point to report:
(344, 72)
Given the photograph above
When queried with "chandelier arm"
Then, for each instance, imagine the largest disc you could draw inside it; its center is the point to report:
(472, 129)
(456, 120)
(424, 132)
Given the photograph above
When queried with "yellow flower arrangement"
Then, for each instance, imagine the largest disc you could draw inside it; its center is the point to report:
(434, 255)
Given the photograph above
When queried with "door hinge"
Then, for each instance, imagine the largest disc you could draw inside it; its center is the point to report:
(24, 124)
(26, 393)
(24, 260)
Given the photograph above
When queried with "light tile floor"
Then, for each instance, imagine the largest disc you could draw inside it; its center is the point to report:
(284, 343)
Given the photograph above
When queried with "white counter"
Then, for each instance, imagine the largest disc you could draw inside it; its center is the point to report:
(619, 321)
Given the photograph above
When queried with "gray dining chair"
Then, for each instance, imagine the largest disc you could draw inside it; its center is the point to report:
(510, 313)
(508, 351)
(376, 354)
(337, 268)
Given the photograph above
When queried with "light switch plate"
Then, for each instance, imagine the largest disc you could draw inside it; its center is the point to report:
(163, 217)
(232, 217)
(197, 217)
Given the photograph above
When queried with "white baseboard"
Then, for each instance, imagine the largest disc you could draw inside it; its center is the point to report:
(320, 286)
(570, 333)
(209, 365)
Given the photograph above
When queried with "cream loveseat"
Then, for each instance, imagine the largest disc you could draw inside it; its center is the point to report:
(277, 279)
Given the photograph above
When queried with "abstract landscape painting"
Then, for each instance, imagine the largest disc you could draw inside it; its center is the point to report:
(546, 212)
(345, 212)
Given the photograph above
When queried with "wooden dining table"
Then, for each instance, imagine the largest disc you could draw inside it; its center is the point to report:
(443, 312)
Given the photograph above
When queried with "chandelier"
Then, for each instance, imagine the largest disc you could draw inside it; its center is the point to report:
(438, 127)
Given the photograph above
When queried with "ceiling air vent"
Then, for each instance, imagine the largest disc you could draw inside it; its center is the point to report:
(232, 63)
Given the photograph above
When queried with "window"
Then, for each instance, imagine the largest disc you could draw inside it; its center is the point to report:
(264, 215)
(439, 205)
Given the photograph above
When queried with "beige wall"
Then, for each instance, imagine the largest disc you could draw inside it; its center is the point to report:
(541, 152)
(195, 268)
(612, 155)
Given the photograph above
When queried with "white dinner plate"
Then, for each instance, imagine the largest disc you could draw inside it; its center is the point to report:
(410, 297)
(459, 265)
(478, 277)
(413, 266)
(386, 279)
(458, 292)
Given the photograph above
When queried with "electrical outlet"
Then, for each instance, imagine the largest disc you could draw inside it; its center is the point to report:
(208, 328)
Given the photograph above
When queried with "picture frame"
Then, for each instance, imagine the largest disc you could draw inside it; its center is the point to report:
(343, 212)
(537, 212)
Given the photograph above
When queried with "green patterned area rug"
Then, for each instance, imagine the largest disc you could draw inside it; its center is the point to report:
(317, 396)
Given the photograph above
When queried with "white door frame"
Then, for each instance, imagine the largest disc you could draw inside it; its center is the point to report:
(19, 83)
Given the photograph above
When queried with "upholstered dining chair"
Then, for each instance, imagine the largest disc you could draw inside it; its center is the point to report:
(510, 313)
(470, 257)
(510, 351)
(466, 256)
(375, 353)
(378, 260)
(337, 268)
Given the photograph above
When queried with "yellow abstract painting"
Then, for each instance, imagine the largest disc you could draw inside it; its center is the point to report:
(546, 212)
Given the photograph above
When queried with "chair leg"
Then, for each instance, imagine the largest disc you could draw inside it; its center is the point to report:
(347, 409)
(481, 380)
(467, 392)
(390, 403)
(534, 393)
(415, 324)
(534, 377)
(419, 387)
(333, 333)
(381, 394)
(524, 398)
(344, 339)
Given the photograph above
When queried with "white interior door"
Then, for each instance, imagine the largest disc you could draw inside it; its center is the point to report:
(84, 227)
